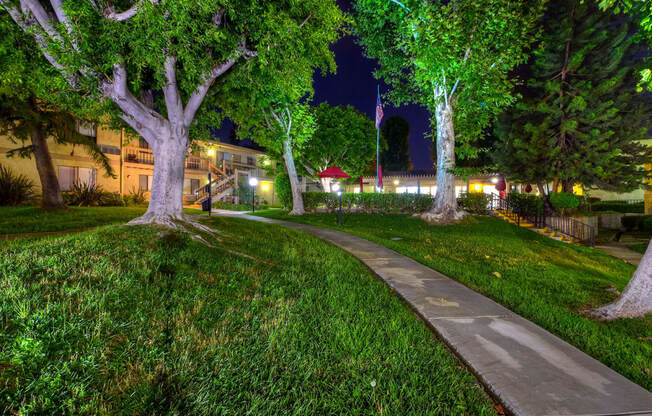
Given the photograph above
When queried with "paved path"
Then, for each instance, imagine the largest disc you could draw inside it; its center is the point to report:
(622, 252)
(527, 369)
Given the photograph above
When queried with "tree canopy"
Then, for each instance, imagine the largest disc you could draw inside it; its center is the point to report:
(343, 137)
(581, 120)
(396, 157)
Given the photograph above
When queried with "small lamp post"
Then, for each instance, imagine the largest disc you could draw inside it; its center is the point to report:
(253, 182)
(336, 188)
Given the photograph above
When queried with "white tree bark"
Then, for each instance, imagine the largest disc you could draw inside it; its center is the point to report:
(636, 299)
(445, 206)
(297, 197)
(325, 184)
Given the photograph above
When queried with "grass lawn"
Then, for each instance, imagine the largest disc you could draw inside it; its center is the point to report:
(639, 247)
(21, 220)
(116, 320)
(543, 280)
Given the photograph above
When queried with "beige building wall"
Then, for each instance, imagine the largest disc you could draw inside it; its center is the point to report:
(131, 161)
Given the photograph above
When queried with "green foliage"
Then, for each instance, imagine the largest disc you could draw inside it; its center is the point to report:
(121, 321)
(369, 202)
(547, 282)
(619, 206)
(525, 204)
(474, 202)
(645, 223)
(15, 189)
(564, 201)
(581, 119)
(396, 131)
(458, 52)
(343, 137)
(136, 196)
(283, 190)
(92, 195)
(630, 222)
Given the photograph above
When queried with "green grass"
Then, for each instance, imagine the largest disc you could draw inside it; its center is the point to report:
(638, 247)
(21, 220)
(118, 320)
(543, 280)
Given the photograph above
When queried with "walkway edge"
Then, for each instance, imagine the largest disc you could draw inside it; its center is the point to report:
(528, 370)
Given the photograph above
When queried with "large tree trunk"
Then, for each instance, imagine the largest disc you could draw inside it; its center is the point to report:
(297, 198)
(636, 299)
(166, 198)
(52, 198)
(325, 184)
(567, 186)
(444, 209)
(547, 205)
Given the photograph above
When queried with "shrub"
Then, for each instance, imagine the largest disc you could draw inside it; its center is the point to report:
(619, 206)
(14, 189)
(525, 204)
(474, 202)
(136, 196)
(283, 190)
(645, 223)
(564, 202)
(369, 202)
(84, 195)
(630, 222)
(110, 199)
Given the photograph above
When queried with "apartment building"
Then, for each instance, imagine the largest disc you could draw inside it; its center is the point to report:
(133, 163)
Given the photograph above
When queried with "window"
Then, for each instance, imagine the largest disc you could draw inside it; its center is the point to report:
(145, 182)
(109, 150)
(190, 186)
(251, 161)
(68, 175)
(86, 128)
(237, 158)
(225, 156)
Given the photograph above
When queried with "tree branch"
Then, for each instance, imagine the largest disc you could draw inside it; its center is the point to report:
(217, 18)
(171, 91)
(306, 20)
(44, 20)
(111, 14)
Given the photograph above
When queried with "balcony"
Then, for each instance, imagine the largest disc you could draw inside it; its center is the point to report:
(145, 156)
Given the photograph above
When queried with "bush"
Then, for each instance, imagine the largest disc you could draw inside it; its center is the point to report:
(630, 222)
(283, 190)
(525, 204)
(110, 199)
(645, 223)
(369, 202)
(619, 206)
(564, 202)
(136, 196)
(474, 202)
(84, 195)
(14, 189)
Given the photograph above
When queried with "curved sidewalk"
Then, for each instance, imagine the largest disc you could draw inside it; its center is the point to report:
(527, 369)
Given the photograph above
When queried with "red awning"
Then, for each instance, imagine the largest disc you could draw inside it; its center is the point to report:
(333, 172)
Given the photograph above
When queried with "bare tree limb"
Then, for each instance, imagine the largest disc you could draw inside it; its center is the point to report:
(306, 20)
(45, 21)
(287, 110)
(217, 18)
(111, 14)
(171, 91)
(27, 24)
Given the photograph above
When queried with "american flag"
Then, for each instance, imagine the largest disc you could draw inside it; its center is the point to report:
(379, 111)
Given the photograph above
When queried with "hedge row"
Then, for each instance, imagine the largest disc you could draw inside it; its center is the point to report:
(369, 202)
(618, 206)
(640, 222)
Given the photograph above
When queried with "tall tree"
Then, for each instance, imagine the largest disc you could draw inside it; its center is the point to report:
(29, 121)
(397, 133)
(454, 58)
(179, 47)
(344, 137)
(581, 120)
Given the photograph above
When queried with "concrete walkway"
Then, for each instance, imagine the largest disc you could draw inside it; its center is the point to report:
(527, 369)
(622, 252)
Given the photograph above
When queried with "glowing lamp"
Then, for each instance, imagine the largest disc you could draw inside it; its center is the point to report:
(211, 152)
(253, 182)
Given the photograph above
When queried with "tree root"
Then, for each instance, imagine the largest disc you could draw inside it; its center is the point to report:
(442, 218)
(297, 212)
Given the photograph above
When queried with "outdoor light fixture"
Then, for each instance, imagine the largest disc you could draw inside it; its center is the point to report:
(253, 182)
(211, 152)
(336, 187)
(266, 162)
(395, 181)
(494, 180)
(339, 213)
(265, 187)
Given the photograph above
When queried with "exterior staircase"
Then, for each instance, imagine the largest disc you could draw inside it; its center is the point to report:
(221, 186)
(558, 228)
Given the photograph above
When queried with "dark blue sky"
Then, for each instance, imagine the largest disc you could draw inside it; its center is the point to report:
(355, 84)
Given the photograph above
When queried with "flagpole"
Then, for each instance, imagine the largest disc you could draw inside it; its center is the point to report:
(377, 149)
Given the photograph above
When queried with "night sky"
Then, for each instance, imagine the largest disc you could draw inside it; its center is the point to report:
(355, 84)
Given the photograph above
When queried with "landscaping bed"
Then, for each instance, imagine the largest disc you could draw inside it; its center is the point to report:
(543, 280)
(270, 321)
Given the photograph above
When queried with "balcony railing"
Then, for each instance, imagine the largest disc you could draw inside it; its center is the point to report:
(146, 157)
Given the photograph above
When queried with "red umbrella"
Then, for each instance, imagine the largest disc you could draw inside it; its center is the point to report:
(528, 188)
(333, 172)
(501, 185)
